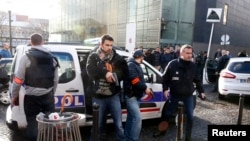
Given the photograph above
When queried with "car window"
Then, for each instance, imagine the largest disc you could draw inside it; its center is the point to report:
(212, 64)
(67, 67)
(239, 67)
(148, 72)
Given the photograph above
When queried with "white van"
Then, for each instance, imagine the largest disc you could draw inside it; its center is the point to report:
(71, 81)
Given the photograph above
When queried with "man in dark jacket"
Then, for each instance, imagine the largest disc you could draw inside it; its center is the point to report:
(138, 84)
(107, 69)
(149, 57)
(38, 73)
(156, 58)
(217, 54)
(222, 62)
(165, 58)
(178, 81)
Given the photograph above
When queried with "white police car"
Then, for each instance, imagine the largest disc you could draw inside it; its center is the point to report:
(71, 81)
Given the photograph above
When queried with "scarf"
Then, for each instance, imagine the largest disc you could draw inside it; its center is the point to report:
(104, 56)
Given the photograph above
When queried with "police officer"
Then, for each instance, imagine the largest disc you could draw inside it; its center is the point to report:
(178, 80)
(136, 78)
(38, 73)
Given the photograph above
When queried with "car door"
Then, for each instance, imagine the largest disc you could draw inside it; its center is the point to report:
(210, 69)
(70, 81)
(151, 106)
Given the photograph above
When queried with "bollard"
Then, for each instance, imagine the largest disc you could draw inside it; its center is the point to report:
(241, 103)
(180, 122)
(95, 121)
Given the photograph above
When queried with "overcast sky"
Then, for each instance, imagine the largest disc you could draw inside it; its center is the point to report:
(32, 8)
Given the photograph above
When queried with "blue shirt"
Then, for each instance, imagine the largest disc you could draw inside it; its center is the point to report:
(5, 53)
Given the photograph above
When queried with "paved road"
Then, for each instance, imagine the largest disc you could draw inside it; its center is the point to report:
(211, 111)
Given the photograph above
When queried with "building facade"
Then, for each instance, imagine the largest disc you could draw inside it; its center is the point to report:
(237, 26)
(21, 28)
(156, 22)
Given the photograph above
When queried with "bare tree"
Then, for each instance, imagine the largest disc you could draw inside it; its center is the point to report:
(41, 26)
(3, 23)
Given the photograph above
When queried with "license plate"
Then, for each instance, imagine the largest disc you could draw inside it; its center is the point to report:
(245, 80)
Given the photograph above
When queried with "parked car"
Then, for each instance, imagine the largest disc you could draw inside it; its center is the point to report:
(71, 59)
(235, 78)
(5, 66)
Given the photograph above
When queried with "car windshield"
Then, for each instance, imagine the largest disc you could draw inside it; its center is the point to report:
(240, 67)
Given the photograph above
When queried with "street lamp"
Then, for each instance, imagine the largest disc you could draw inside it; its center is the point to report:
(10, 31)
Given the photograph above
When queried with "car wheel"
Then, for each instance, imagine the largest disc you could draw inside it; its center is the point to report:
(4, 96)
(220, 96)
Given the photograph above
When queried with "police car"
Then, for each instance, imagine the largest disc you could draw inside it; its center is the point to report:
(71, 81)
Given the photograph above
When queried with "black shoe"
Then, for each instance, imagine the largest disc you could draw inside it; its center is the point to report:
(158, 134)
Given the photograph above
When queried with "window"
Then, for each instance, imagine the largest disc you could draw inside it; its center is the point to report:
(67, 67)
(149, 74)
(240, 67)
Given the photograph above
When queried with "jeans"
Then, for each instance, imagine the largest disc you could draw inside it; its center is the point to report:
(133, 122)
(33, 105)
(110, 105)
(188, 107)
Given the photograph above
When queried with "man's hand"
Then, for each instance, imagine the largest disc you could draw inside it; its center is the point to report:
(216, 73)
(166, 94)
(109, 77)
(202, 96)
(14, 101)
(149, 91)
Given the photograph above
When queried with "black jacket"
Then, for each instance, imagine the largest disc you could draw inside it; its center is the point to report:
(40, 74)
(136, 79)
(97, 70)
(156, 58)
(180, 76)
(222, 62)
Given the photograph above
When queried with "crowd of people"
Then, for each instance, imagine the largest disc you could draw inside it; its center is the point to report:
(160, 57)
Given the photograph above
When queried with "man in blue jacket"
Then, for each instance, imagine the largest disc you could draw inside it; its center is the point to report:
(138, 87)
(5, 53)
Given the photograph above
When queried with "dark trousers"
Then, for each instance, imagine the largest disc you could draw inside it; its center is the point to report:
(216, 83)
(188, 106)
(33, 105)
